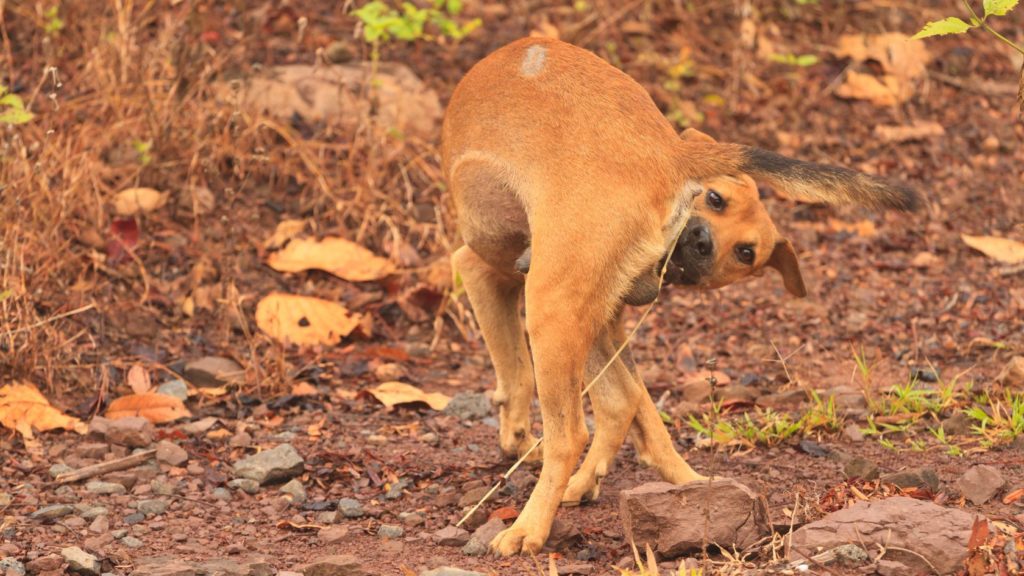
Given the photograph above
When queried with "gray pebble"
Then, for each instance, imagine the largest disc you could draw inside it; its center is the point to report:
(390, 531)
(350, 508)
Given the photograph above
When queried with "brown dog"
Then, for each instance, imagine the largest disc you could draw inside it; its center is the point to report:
(547, 147)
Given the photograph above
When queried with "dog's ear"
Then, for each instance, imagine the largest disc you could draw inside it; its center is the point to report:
(783, 259)
(694, 135)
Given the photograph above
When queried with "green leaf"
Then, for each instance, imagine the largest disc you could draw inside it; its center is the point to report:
(951, 25)
(12, 100)
(15, 116)
(805, 60)
(5, 295)
(999, 7)
(454, 7)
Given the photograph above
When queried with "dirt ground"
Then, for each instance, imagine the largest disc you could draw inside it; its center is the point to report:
(124, 95)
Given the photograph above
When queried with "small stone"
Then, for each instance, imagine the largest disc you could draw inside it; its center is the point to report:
(981, 483)
(58, 469)
(48, 563)
(91, 512)
(390, 531)
(850, 555)
(563, 535)
(914, 478)
(92, 450)
(163, 566)
(471, 497)
(332, 534)
(860, 468)
(295, 491)
(990, 144)
(397, 489)
(350, 508)
(241, 439)
(175, 388)
(412, 518)
(163, 488)
(853, 433)
(100, 525)
(342, 565)
(170, 453)
(390, 371)
(214, 371)
(479, 543)
(11, 567)
(132, 432)
(81, 561)
(451, 536)
(245, 485)
(221, 493)
(152, 507)
(893, 568)
(1012, 375)
(429, 438)
(133, 518)
(468, 406)
(959, 424)
(275, 465)
(450, 571)
(131, 542)
(52, 512)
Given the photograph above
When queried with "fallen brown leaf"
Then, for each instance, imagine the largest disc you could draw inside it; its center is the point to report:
(304, 320)
(884, 91)
(1013, 496)
(138, 379)
(346, 260)
(863, 228)
(157, 408)
(392, 394)
(285, 231)
(304, 389)
(919, 130)
(24, 409)
(1004, 250)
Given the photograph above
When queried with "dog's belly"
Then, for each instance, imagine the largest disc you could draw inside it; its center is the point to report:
(492, 220)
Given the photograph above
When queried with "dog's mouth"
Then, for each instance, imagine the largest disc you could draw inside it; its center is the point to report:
(693, 257)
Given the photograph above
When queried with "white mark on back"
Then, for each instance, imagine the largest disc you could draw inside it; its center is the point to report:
(533, 62)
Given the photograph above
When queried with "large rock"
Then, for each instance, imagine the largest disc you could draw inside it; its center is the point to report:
(401, 102)
(672, 518)
(981, 483)
(275, 465)
(926, 529)
(163, 566)
(341, 565)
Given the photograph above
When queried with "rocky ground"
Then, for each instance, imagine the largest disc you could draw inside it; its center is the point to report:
(868, 429)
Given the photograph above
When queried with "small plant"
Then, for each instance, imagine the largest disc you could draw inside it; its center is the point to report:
(383, 23)
(954, 25)
(998, 420)
(143, 150)
(52, 22)
(12, 108)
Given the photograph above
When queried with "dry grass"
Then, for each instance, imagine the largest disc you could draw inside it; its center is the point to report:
(118, 78)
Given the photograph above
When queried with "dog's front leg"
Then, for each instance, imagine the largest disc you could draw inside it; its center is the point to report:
(562, 324)
(654, 445)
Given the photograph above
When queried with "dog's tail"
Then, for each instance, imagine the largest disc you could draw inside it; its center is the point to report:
(806, 181)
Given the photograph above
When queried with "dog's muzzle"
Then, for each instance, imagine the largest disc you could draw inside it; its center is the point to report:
(694, 255)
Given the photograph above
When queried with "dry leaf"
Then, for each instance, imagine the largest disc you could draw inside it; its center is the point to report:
(304, 389)
(138, 201)
(157, 408)
(884, 92)
(392, 394)
(304, 320)
(919, 130)
(346, 260)
(218, 434)
(295, 526)
(1004, 250)
(1013, 496)
(285, 231)
(903, 62)
(24, 409)
(138, 379)
(863, 228)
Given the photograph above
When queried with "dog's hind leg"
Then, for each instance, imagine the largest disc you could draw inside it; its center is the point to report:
(495, 298)
(614, 398)
(654, 445)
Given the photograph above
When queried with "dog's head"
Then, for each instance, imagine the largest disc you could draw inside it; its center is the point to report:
(731, 236)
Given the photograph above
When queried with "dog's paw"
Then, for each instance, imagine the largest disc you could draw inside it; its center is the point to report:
(515, 540)
(582, 488)
(517, 446)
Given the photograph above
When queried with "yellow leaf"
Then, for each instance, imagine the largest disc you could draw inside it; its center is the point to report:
(1004, 250)
(285, 231)
(138, 201)
(346, 260)
(304, 320)
(392, 394)
(157, 408)
(24, 408)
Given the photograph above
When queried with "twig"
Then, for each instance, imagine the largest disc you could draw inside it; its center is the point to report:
(104, 467)
(60, 316)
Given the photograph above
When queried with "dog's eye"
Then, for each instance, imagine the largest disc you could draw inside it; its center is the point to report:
(715, 201)
(745, 254)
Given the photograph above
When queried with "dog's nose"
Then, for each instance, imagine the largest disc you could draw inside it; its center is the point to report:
(700, 238)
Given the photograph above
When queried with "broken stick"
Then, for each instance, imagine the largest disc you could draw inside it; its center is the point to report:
(87, 472)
